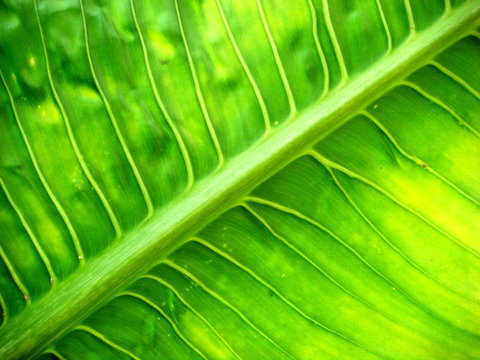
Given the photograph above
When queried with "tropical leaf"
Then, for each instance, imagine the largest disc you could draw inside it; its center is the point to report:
(257, 179)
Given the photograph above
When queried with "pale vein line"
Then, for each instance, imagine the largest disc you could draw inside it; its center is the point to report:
(198, 91)
(71, 136)
(166, 317)
(448, 7)
(456, 78)
(53, 198)
(440, 103)
(415, 159)
(319, 226)
(303, 217)
(190, 307)
(103, 338)
(270, 229)
(224, 302)
(253, 83)
(5, 310)
(55, 353)
(278, 61)
(250, 272)
(411, 20)
(321, 54)
(161, 105)
(138, 177)
(385, 26)
(388, 242)
(33, 238)
(281, 238)
(328, 163)
(16, 278)
(335, 43)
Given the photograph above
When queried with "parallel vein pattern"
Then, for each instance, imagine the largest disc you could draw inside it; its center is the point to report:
(132, 103)
(317, 262)
(111, 111)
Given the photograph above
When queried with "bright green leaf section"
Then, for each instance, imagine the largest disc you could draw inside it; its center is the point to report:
(131, 129)
(354, 250)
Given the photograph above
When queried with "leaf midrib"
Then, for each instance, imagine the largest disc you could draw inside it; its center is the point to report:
(98, 280)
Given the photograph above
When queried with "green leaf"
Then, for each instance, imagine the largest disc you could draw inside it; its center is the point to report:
(223, 179)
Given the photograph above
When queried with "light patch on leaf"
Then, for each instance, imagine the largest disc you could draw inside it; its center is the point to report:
(48, 113)
(200, 335)
(162, 48)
